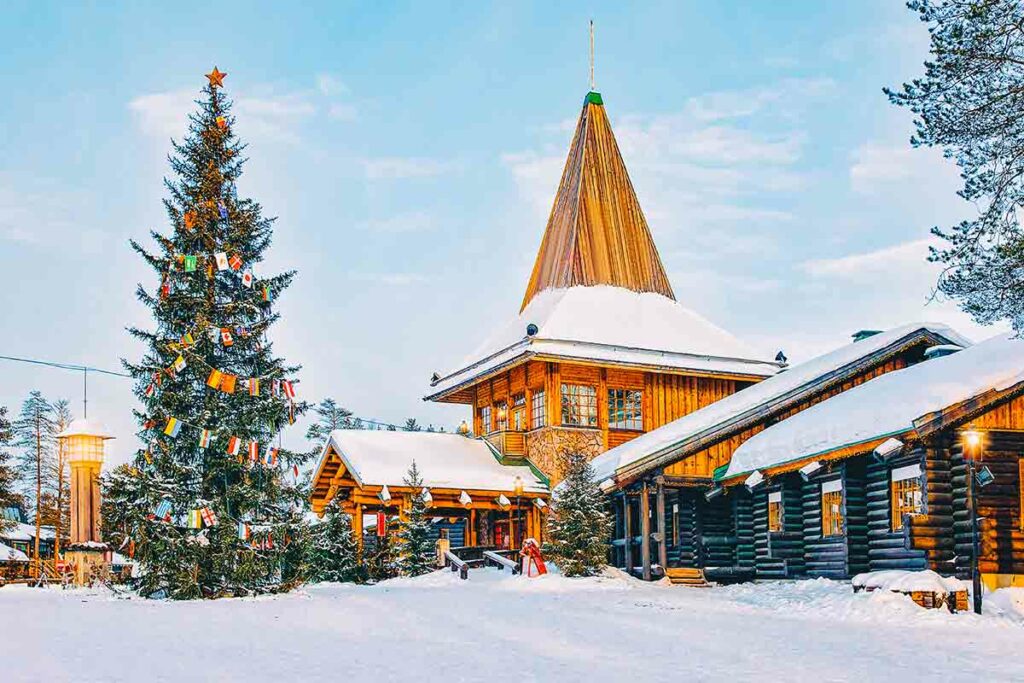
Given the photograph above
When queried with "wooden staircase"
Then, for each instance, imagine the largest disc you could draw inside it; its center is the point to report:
(687, 576)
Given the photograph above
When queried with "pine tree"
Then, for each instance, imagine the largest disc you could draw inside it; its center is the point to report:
(35, 431)
(329, 416)
(332, 551)
(55, 510)
(578, 525)
(381, 556)
(9, 495)
(212, 313)
(968, 103)
(417, 550)
(411, 425)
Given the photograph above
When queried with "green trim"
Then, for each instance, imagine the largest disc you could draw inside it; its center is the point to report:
(594, 98)
(720, 472)
(721, 477)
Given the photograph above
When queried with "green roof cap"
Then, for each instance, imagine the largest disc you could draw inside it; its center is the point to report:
(594, 98)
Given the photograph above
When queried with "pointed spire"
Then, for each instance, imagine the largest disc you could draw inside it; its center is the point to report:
(597, 233)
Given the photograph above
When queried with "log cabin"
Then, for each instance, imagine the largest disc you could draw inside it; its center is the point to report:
(877, 477)
(476, 497)
(686, 525)
(601, 350)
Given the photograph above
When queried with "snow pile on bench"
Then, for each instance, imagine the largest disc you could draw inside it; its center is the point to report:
(902, 581)
(886, 406)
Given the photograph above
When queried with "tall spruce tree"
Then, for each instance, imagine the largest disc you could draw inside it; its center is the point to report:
(9, 496)
(34, 431)
(417, 550)
(968, 102)
(329, 416)
(210, 387)
(579, 528)
(380, 556)
(332, 551)
(56, 508)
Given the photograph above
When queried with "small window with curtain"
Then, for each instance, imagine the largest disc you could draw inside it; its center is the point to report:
(624, 409)
(832, 508)
(907, 494)
(579, 405)
(775, 512)
(485, 420)
(519, 412)
(538, 410)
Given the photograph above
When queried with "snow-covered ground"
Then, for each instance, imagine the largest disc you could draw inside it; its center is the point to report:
(494, 627)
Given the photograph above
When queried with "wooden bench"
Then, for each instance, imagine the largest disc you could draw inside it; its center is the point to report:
(501, 562)
(457, 564)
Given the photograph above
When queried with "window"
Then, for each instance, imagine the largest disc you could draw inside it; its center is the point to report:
(502, 416)
(832, 508)
(775, 512)
(519, 412)
(906, 494)
(579, 405)
(624, 409)
(538, 410)
(485, 420)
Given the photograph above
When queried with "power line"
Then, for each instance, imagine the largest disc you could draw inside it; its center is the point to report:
(65, 366)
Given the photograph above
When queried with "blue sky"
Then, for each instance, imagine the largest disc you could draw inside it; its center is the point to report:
(411, 152)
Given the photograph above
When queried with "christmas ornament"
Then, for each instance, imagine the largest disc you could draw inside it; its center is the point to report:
(216, 78)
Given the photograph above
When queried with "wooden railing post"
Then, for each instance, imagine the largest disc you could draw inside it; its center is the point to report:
(645, 531)
(662, 536)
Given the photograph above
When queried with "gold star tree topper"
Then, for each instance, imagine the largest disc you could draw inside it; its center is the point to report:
(216, 78)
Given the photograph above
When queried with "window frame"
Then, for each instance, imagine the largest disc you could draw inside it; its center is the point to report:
(629, 405)
(518, 421)
(485, 420)
(501, 416)
(776, 512)
(904, 480)
(833, 523)
(580, 399)
(538, 409)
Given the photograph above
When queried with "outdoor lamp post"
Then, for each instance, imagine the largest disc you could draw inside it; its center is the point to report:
(518, 484)
(84, 442)
(972, 444)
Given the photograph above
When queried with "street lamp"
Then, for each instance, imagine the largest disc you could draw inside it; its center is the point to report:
(973, 442)
(518, 488)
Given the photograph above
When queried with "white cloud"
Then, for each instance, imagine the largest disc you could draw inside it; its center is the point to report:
(783, 98)
(342, 112)
(889, 260)
(329, 84)
(391, 168)
(412, 221)
(877, 168)
(43, 213)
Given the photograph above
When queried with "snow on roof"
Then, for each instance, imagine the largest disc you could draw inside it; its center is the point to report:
(613, 324)
(379, 458)
(887, 405)
(26, 532)
(784, 384)
(9, 554)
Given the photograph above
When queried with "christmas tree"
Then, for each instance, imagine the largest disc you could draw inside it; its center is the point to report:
(211, 504)
(417, 550)
(381, 554)
(332, 551)
(8, 495)
(578, 526)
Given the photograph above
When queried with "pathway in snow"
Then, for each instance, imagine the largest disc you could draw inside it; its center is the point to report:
(498, 628)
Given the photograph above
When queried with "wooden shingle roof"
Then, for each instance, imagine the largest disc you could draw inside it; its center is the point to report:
(597, 233)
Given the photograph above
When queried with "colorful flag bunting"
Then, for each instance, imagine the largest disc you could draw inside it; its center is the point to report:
(190, 263)
(289, 390)
(187, 339)
(173, 427)
(254, 452)
(222, 209)
(235, 262)
(227, 383)
(179, 364)
(195, 520)
(225, 336)
(222, 260)
(204, 438)
(150, 390)
(254, 386)
(215, 378)
(243, 531)
(222, 122)
(209, 517)
(234, 443)
(247, 280)
(267, 296)
(163, 510)
(190, 220)
(272, 457)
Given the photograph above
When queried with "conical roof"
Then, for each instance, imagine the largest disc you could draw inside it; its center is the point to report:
(597, 233)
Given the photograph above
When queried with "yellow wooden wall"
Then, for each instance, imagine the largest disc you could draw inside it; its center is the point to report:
(1010, 415)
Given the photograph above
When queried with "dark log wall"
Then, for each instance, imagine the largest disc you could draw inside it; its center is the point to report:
(888, 549)
(837, 557)
(931, 535)
(999, 507)
(780, 555)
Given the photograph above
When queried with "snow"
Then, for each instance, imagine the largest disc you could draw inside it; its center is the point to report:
(787, 386)
(27, 532)
(494, 627)
(886, 406)
(906, 581)
(9, 554)
(615, 325)
(451, 461)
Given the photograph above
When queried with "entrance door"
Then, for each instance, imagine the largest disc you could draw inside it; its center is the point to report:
(501, 538)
